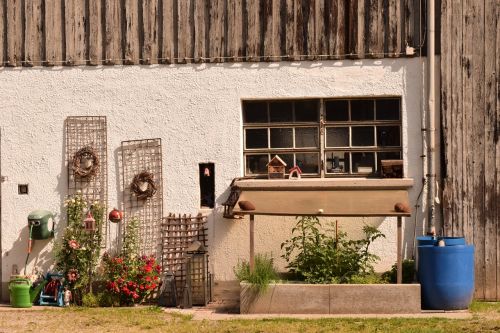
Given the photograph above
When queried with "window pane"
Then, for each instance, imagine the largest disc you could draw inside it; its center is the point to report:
(281, 138)
(337, 136)
(362, 109)
(254, 112)
(281, 112)
(387, 156)
(388, 136)
(337, 162)
(363, 136)
(363, 162)
(256, 138)
(388, 109)
(306, 111)
(256, 164)
(337, 110)
(308, 162)
(306, 137)
(288, 159)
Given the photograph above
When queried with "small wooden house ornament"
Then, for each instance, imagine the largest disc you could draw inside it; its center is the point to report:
(294, 173)
(276, 168)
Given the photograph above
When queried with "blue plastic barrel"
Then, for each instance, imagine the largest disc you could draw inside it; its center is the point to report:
(449, 241)
(446, 276)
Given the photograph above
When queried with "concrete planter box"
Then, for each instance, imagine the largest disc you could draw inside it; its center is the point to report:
(331, 299)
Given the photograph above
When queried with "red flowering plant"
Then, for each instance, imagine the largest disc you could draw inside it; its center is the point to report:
(129, 277)
(131, 280)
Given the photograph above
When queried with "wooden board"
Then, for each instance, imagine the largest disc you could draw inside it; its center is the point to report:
(14, 21)
(95, 32)
(54, 33)
(34, 32)
(113, 32)
(150, 28)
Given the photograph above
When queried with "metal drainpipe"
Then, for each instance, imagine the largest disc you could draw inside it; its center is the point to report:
(431, 130)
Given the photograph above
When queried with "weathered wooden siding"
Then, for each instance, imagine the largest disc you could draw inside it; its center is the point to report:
(470, 66)
(94, 32)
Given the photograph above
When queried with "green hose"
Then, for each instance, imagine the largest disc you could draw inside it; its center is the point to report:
(29, 250)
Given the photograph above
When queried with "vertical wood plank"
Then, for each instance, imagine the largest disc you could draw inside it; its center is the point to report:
(113, 41)
(290, 28)
(394, 33)
(457, 124)
(3, 49)
(446, 115)
(201, 18)
(477, 142)
(14, 32)
(320, 30)
(216, 32)
(132, 48)
(75, 32)
(267, 17)
(185, 31)
(310, 25)
(336, 29)
(253, 30)
(409, 23)
(496, 107)
(169, 33)
(150, 29)
(491, 201)
(33, 42)
(54, 32)
(373, 37)
(356, 28)
(235, 43)
(95, 32)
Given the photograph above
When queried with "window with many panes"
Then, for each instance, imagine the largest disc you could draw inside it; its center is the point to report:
(324, 137)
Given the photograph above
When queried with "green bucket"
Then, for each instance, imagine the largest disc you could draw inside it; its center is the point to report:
(19, 289)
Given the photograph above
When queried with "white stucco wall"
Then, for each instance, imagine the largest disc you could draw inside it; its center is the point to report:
(196, 111)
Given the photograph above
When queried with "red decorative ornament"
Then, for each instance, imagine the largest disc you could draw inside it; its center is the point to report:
(115, 216)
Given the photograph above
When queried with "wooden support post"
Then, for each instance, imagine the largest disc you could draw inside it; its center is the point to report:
(400, 250)
(252, 249)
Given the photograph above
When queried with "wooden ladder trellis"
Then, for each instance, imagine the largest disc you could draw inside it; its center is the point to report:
(178, 233)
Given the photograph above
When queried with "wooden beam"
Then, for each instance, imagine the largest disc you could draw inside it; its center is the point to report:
(399, 251)
(252, 243)
(14, 32)
(150, 30)
(54, 33)
(132, 54)
(169, 35)
(201, 18)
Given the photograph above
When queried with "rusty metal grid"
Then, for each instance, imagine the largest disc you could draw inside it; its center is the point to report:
(82, 131)
(138, 156)
(178, 233)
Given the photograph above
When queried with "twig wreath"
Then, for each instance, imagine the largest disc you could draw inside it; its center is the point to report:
(143, 185)
(85, 162)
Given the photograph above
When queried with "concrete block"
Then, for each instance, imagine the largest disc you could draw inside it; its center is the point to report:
(331, 299)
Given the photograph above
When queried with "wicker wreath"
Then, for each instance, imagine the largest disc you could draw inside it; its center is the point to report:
(86, 162)
(138, 185)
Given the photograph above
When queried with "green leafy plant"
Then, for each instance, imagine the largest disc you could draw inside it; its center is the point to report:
(328, 257)
(90, 300)
(264, 272)
(408, 272)
(77, 252)
(130, 247)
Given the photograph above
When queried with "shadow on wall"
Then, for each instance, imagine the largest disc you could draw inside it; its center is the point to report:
(40, 257)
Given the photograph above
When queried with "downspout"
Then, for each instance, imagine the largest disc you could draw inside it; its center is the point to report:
(431, 128)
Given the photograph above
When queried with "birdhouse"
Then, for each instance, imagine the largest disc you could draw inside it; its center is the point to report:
(89, 223)
(276, 168)
(294, 173)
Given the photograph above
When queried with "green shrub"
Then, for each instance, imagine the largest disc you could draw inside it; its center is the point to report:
(90, 300)
(367, 279)
(408, 272)
(106, 299)
(263, 274)
(318, 257)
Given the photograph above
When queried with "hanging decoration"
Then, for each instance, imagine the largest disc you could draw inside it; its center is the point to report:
(89, 222)
(143, 185)
(115, 215)
(85, 162)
